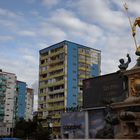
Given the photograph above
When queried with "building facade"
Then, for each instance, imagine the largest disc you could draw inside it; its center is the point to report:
(8, 100)
(25, 101)
(29, 104)
(22, 92)
(62, 68)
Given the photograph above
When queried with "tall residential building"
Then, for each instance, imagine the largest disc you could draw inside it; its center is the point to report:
(22, 92)
(62, 68)
(8, 98)
(29, 104)
(25, 101)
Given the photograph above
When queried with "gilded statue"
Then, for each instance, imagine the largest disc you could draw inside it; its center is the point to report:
(135, 24)
(135, 85)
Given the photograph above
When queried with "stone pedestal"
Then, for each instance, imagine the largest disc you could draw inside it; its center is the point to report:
(128, 111)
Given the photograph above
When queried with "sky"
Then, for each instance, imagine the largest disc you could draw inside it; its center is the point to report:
(27, 26)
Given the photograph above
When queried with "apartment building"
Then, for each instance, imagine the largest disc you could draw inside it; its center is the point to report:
(25, 101)
(62, 68)
(8, 99)
(29, 104)
(22, 92)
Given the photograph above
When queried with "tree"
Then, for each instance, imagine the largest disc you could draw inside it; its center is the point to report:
(31, 129)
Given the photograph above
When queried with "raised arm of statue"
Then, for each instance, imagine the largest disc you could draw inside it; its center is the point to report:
(129, 58)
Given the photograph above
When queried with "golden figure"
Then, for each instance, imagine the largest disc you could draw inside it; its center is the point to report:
(135, 85)
(137, 22)
(133, 27)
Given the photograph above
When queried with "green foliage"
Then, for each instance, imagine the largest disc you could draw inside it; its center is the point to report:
(31, 129)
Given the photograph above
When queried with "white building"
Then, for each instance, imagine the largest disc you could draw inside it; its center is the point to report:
(8, 97)
(29, 104)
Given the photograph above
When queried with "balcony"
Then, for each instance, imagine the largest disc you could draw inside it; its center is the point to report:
(55, 108)
(56, 68)
(57, 52)
(42, 79)
(1, 112)
(56, 124)
(56, 116)
(2, 95)
(3, 83)
(3, 89)
(3, 78)
(84, 53)
(42, 109)
(43, 72)
(42, 94)
(42, 86)
(43, 57)
(56, 83)
(55, 100)
(84, 61)
(56, 75)
(84, 76)
(56, 61)
(52, 84)
(55, 91)
(84, 69)
(42, 102)
(44, 64)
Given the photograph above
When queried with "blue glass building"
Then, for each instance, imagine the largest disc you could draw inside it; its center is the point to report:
(21, 103)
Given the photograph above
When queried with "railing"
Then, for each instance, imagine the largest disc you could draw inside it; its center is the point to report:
(43, 57)
(55, 108)
(56, 124)
(56, 68)
(56, 83)
(83, 68)
(42, 102)
(84, 61)
(43, 72)
(55, 99)
(56, 61)
(56, 75)
(42, 94)
(56, 116)
(55, 91)
(57, 52)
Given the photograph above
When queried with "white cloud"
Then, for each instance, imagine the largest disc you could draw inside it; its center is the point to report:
(101, 13)
(74, 27)
(27, 33)
(9, 14)
(52, 32)
(6, 38)
(49, 3)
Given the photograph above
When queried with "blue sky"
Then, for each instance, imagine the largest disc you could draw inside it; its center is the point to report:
(26, 26)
